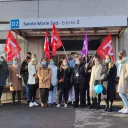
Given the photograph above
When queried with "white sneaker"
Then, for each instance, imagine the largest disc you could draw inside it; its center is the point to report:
(125, 111)
(120, 111)
(58, 106)
(65, 105)
(31, 104)
(35, 104)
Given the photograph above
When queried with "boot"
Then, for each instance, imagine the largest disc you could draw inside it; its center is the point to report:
(0, 102)
(19, 97)
(93, 104)
(110, 108)
(13, 97)
(96, 105)
(107, 105)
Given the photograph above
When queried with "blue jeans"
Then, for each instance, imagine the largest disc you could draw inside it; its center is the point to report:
(124, 99)
(27, 92)
(52, 96)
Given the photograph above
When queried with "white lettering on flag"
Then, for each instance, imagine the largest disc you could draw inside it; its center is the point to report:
(110, 52)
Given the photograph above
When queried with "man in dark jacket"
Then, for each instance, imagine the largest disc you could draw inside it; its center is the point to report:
(3, 75)
(24, 74)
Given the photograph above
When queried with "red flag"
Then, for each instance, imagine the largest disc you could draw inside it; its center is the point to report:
(46, 46)
(106, 48)
(55, 40)
(12, 47)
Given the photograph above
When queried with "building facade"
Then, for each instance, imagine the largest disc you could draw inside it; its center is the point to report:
(31, 40)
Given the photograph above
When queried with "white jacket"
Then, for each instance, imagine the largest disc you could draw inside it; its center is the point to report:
(54, 75)
(31, 72)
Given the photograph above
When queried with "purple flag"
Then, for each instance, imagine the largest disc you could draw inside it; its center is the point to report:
(85, 45)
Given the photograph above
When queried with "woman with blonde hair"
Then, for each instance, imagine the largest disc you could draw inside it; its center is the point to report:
(111, 76)
(64, 74)
(94, 80)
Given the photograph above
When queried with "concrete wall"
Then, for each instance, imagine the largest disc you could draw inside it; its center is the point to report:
(35, 46)
(62, 8)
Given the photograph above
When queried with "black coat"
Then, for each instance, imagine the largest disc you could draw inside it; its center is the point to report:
(24, 71)
(66, 74)
(4, 72)
(111, 89)
(81, 78)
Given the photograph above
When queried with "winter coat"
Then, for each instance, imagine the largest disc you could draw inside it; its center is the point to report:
(44, 74)
(88, 75)
(78, 76)
(31, 72)
(15, 80)
(54, 79)
(104, 81)
(4, 72)
(111, 89)
(66, 75)
(24, 71)
(95, 75)
(123, 81)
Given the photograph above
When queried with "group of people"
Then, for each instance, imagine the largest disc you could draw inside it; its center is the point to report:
(73, 80)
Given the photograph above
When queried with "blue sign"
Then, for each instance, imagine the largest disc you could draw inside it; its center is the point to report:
(14, 24)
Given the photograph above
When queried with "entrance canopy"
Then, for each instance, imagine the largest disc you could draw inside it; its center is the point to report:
(68, 27)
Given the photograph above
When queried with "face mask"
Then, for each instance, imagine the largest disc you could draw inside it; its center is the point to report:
(120, 57)
(51, 63)
(14, 62)
(107, 60)
(96, 63)
(44, 63)
(78, 62)
(1, 60)
(64, 63)
(33, 59)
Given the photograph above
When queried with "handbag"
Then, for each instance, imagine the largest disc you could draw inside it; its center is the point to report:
(51, 87)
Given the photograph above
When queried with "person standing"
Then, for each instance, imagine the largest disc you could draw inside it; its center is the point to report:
(44, 74)
(111, 89)
(15, 80)
(54, 81)
(4, 72)
(78, 80)
(71, 97)
(94, 80)
(24, 74)
(64, 76)
(32, 82)
(123, 81)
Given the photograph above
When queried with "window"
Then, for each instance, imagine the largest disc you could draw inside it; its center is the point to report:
(76, 45)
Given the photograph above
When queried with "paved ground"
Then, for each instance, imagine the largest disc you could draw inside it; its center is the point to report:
(16, 116)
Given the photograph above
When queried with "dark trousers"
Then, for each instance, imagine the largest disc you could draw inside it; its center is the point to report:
(1, 90)
(87, 93)
(63, 92)
(44, 92)
(33, 89)
(14, 95)
(79, 94)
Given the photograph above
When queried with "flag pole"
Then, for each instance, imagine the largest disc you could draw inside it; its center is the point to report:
(92, 57)
(65, 51)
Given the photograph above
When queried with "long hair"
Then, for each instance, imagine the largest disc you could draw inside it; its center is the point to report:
(111, 64)
(67, 65)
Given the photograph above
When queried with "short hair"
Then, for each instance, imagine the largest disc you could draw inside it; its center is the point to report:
(29, 53)
(122, 53)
